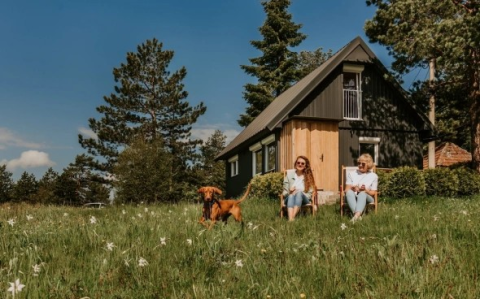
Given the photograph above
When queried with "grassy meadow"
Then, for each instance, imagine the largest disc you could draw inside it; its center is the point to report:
(413, 248)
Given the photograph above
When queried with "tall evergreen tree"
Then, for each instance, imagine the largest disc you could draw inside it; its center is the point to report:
(416, 32)
(213, 172)
(309, 61)
(46, 187)
(6, 184)
(149, 102)
(142, 173)
(276, 70)
(452, 122)
(25, 188)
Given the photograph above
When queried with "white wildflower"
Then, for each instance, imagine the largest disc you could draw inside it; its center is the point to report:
(29, 217)
(11, 222)
(189, 241)
(123, 212)
(239, 263)
(433, 259)
(139, 215)
(15, 287)
(142, 262)
(65, 214)
(343, 226)
(163, 241)
(36, 270)
(110, 246)
(93, 220)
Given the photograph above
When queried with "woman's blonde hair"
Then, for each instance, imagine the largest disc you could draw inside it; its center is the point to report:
(368, 160)
(309, 180)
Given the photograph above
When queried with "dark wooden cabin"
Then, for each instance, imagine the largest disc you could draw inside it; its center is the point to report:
(343, 108)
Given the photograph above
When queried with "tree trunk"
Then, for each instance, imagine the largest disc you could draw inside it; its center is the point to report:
(475, 117)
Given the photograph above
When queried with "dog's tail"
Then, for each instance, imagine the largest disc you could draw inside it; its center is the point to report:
(245, 195)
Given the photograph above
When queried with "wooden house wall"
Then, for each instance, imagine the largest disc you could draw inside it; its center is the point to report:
(325, 101)
(383, 106)
(395, 148)
(236, 184)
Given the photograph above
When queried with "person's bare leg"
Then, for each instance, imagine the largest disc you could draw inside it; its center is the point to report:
(295, 211)
(291, 215)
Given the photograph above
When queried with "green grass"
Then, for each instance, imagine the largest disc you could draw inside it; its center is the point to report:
(414, 248)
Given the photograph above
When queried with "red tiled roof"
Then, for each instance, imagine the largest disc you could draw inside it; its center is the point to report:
(447, 154)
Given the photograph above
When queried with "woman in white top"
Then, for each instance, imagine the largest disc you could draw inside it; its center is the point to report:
(298, 186)
(361, 186)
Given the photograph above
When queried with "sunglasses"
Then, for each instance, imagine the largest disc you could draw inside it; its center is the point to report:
(362, 164)
(300, 163)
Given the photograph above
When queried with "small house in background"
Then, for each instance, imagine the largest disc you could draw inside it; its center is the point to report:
(447, 154)
(347, 106)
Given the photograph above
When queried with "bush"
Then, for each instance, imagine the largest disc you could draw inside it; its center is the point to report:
(404, 182)
(468, 181)
(383, 178)
(440, 181)
(269, 185)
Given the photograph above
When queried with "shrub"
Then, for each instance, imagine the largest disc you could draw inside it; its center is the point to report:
(440, 181)
(405, 182)
(383, 178)
(468, 181)
(268, 185)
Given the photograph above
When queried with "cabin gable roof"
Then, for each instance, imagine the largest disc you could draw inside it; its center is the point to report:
(276, 112)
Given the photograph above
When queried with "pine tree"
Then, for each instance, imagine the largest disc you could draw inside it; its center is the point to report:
(212, 172)
(276, 70)
(25, 188)
(309, 61)
(6, 184)
(142, 173)
(416, 32)
(149, 102)
(46, 187)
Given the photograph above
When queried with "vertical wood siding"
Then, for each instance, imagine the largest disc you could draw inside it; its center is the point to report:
(317, 140)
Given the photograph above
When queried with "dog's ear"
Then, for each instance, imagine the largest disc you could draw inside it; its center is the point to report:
(217, 191)
(201, 190)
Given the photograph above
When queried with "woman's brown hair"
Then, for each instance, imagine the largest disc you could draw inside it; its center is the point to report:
(307, 172)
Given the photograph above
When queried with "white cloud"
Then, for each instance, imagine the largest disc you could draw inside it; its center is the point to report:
(29, 159)
(204, 132)
(7, 138)
(87, 132)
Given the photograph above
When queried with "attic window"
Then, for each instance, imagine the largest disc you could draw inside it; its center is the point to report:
(352, 91)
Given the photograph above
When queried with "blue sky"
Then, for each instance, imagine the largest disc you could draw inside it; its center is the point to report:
(57, 57)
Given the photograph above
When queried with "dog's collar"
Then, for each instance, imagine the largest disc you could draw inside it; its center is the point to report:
(207, 208)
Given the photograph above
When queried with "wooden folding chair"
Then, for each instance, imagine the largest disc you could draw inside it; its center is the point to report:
(343, 203)
(310, 208)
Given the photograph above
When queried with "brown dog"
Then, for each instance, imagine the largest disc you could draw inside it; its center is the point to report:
(215, 209)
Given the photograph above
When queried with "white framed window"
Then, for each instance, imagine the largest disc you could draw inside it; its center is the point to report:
(352, 91)
(369, 145)
(233, 165)
(270, 153)
(257, 156)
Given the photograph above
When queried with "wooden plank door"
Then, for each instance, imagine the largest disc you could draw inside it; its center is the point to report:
(318, 140)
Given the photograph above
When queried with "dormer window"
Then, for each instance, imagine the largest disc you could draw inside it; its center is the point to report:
(352, 92)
